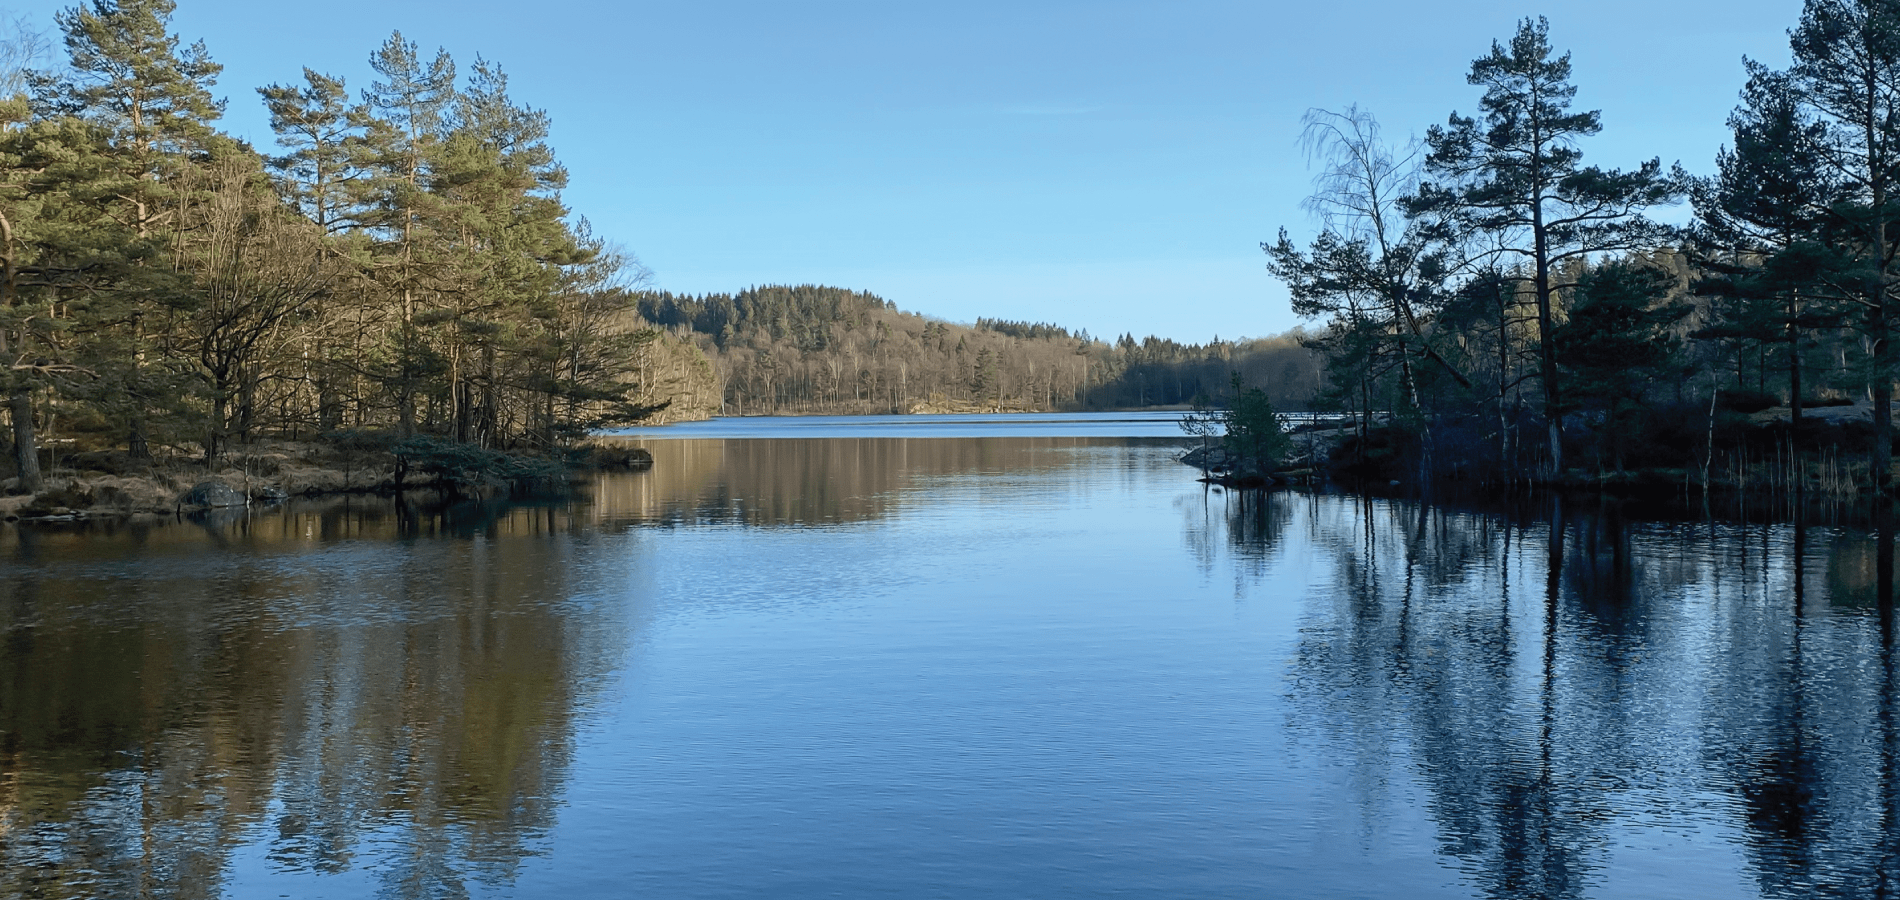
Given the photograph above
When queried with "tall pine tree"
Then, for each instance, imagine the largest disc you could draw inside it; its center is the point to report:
(128, 76)
(1512, 183)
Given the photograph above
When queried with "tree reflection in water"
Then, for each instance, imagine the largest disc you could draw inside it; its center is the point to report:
(331, 699)
(1558, 677)
(392, 694)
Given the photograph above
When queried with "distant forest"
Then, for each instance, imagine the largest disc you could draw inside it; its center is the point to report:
(829, 350)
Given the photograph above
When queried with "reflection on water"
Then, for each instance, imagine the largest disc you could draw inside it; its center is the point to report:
(801, 482)
(325, 682)
(1050, 666)
(1560, 677)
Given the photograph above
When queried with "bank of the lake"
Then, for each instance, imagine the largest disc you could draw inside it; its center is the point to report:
(1762, 451)
(110, 484)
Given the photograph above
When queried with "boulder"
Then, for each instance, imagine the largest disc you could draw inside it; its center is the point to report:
(1210, 458)
(1834, 415)
(619, 457)
(211, 495)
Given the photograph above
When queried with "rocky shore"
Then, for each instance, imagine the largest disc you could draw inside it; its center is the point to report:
(1310, 448)
(112, 484)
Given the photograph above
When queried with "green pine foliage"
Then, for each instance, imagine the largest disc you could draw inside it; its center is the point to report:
(1495, 308)
(1253, 428)
(407, 264)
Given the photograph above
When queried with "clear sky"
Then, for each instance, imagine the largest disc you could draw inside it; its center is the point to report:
(1112, 166)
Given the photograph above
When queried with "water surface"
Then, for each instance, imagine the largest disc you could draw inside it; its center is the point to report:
(1046, 663)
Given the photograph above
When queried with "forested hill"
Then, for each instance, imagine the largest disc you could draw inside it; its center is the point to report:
(812, 349)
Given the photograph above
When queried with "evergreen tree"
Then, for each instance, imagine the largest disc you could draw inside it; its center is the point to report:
(127, 73)
(1616, 344)
(1844, 86)
(1761, 221)
(325, 174)
(1513, 183)
(128, 76)
(1371, 266)
(402, 143)
(154, 105)
(500, 187)
(1254, 430)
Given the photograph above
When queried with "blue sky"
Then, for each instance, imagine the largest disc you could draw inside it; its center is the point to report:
(1106, 165)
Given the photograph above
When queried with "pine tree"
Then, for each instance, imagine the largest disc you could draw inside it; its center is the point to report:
(402, 144)
(1761, 218)
(500, 187)
(1845, 81)
(325, 175)
(1616, 343)
(128, 76)
(1516, 178)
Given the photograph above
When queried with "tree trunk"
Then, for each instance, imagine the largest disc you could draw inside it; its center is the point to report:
(214, 442)
(1883, 414)
(329, 406)
(1878, 171)
(136, 446)
(26, 445)
(1505, 462)
(247, 405)
(488, 423)
(1547, 353)
(1794, 378)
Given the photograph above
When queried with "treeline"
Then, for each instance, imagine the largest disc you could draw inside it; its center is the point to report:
(403, 262)
(1495, 307)
(1159, 371)
(810, 349)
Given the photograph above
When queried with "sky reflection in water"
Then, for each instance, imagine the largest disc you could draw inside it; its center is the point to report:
(1019, 666)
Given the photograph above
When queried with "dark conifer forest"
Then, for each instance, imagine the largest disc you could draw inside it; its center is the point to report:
(1497, 308)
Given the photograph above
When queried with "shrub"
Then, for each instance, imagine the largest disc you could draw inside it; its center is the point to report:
(1254, 430)
(462, 468)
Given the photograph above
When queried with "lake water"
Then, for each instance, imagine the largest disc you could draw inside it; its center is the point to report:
(854, 659)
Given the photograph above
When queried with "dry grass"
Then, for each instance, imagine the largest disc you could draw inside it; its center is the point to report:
(110, 484)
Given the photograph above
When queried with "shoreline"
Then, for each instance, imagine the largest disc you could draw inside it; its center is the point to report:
(109, 485)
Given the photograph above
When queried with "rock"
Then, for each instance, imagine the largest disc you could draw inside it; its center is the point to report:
(607, 456)
(1209, 458)
(269, 494)
(63, 494)
(1858, 413)
(211, 495)
(133, 495)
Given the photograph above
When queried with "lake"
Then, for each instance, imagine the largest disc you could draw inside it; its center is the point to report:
(971, 656)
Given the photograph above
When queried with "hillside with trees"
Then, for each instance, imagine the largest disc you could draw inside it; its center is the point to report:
(807, 349)
(1496, 309)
